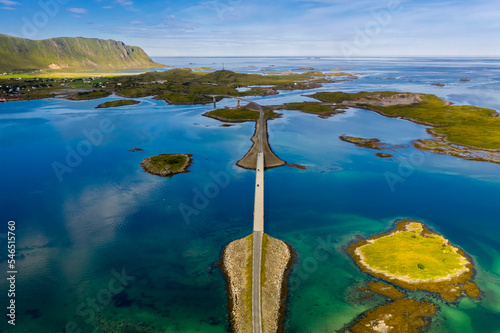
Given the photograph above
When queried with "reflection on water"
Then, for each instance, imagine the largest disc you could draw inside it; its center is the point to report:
(107, 214)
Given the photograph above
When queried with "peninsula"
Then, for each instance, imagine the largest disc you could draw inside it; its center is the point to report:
(236, 263)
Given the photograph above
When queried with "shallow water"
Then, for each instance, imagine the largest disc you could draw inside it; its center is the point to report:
(107, 214)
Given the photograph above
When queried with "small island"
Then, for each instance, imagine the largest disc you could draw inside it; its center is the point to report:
(362, 142)
(239, 115)
(167, 164)
(415, 258)
(117, 103)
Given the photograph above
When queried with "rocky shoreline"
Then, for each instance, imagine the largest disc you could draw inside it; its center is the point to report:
(236, 266)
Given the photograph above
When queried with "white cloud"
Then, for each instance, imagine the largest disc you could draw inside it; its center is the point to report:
(77, 10)
(8, 8)
(136, 22)
(8, 3)
(125, 2)
(107, 7)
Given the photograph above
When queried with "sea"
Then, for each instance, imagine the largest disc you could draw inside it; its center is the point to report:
(102, 246)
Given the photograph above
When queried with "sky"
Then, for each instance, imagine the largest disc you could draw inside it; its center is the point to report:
(352, 28)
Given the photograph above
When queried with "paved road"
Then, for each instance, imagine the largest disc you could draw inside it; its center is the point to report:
(256, 288)
(258, 227)
(258, 230)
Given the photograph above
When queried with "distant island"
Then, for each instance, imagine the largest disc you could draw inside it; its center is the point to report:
(167, 164)
(69, 53)
(120, 102)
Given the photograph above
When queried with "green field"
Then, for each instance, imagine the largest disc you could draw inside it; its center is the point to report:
(412, 254)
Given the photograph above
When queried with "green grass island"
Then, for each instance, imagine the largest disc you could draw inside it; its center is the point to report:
(166, 165)
(414, 258)
(117, 103)
(238, 115)
(463, 131)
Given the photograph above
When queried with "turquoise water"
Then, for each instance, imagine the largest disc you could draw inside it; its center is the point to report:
(106, 215)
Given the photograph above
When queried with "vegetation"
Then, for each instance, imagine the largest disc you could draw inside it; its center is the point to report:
(413, 255)
(460, 124)
(120, 102)
(385, 289)
(415, 258)
(339, 96)
(402, 315)
(94, 94)
(177, 86)
(203, 69)
(179, 98)
(167, 164)
(238, 115)
(363, 143)
(248, 279)
(311, 107)
(69, 53)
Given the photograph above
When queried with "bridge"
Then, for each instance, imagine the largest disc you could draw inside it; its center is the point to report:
(258, 224)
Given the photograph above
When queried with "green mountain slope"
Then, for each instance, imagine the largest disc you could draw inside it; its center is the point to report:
(70, 53)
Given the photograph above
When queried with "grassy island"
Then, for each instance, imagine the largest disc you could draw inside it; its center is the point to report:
(320, 109)
(167, 164)
(464, 131)
(239, 115)
(117, 103)
(415, 258)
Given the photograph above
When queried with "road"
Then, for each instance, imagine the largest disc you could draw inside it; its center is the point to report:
(258, 227)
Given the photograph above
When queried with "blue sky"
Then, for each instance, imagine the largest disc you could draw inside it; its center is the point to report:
(268, 28)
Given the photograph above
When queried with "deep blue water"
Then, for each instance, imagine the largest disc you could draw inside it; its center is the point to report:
(103, 214)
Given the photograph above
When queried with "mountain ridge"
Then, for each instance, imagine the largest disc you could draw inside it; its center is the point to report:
(70, 53)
